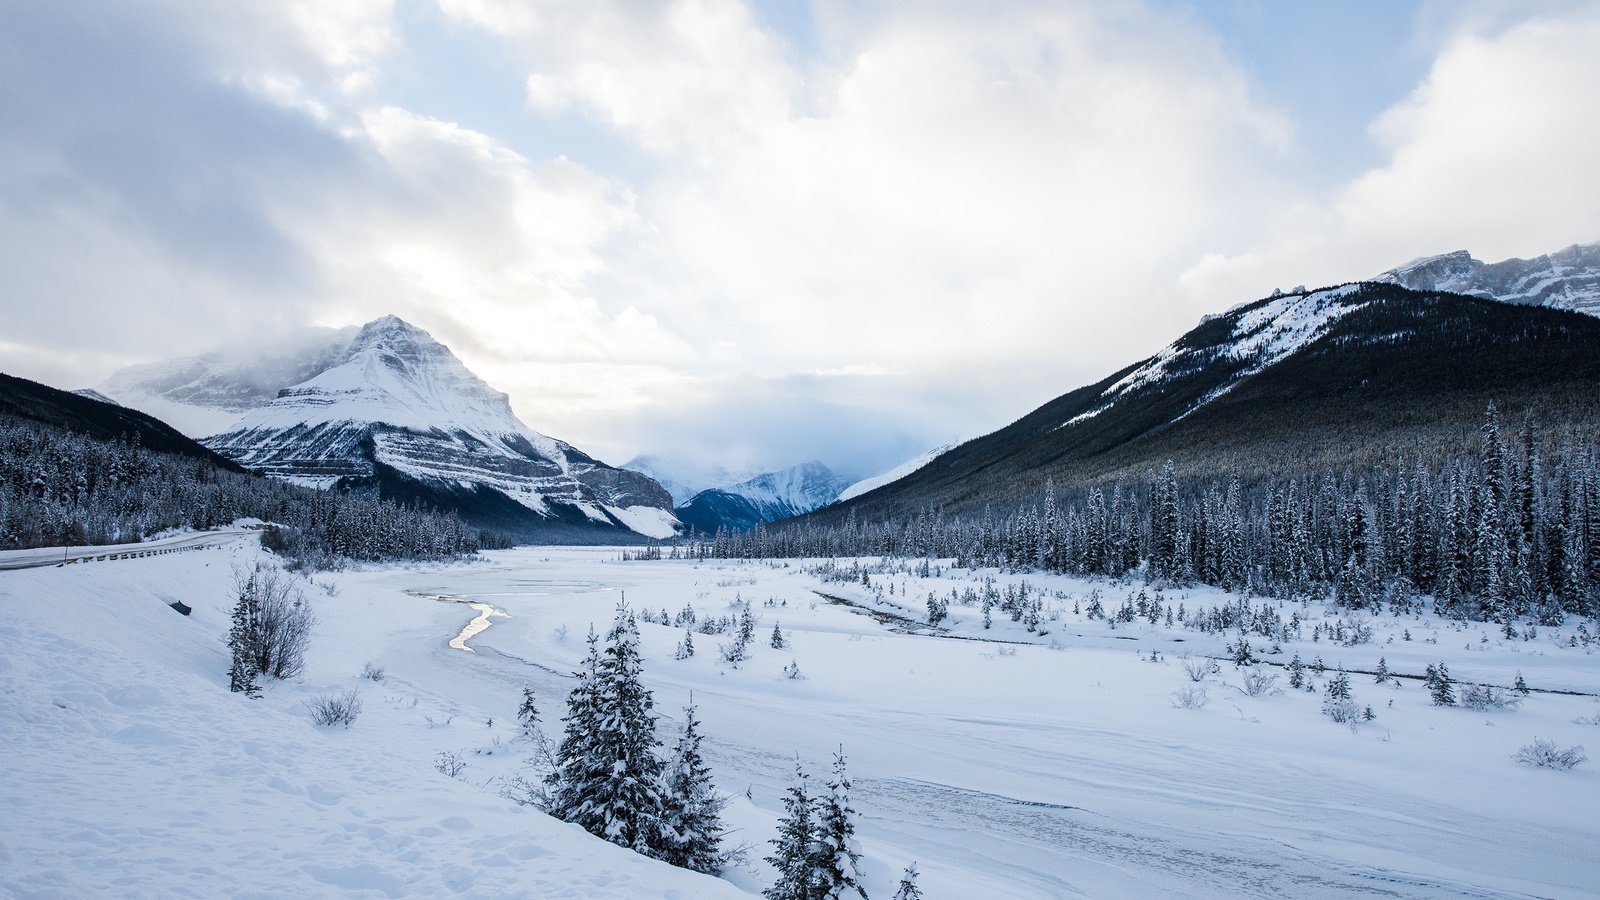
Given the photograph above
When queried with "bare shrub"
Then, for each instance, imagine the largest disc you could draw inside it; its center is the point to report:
(1190, 698)
(450, 764)
(335, 709)
(1198, 669)
(1546, 755)
(1483, 697)
(372, 672)
(1258, 683)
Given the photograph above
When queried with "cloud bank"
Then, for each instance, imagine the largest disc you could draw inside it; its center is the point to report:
(705, 232)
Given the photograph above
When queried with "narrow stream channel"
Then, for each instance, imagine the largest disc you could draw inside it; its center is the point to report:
(479, 623)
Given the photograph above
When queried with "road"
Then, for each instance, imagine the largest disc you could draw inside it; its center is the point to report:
(55, 556)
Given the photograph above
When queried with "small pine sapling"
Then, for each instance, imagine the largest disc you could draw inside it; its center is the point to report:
(685, 646)
(778, 641)
(1520, 686)
(1297, 673)
(528, 714)
(1382, 675)
(908, 889)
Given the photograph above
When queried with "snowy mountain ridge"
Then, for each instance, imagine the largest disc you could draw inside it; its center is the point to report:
(1566, 279)
(768, 497)
(398, 403)
(794, 490)
(1261, 335)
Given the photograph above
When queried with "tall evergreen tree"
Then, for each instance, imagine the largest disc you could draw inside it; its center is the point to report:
(795, 845)
(693, 808)
(579, 764)
(627, 798)
(837, 859)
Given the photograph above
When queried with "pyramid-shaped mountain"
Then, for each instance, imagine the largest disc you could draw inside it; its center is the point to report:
(398, 413)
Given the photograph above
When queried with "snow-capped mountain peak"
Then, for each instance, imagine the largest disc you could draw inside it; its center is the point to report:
(396, 374)
(399, 406)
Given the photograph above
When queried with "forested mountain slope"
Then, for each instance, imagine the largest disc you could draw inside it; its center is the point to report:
(1330, 379)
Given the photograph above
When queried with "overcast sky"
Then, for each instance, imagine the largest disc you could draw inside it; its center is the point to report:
(761, 232)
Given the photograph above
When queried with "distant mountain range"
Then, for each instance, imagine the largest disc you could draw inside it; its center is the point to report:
(1321, 379)
(1566, 279)
(765, 498)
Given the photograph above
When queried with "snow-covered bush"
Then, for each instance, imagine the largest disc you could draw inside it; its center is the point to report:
(1198, 669)
(1190, 698)
(372, 672)
(335, 709)
(1546, 755)
(1258, 682)
(1341, 711)
(1482, 697)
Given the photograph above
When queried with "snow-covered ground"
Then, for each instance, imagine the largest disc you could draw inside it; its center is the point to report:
(1057, 766)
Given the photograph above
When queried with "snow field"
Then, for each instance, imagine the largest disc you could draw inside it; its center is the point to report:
(130, 770)
(1057, 766)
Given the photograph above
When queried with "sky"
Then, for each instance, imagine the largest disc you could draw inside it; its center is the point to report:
(751, 234)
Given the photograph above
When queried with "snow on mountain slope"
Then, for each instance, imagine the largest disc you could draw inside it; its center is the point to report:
(683, 478)
(1567, 279)
(765, 498)
(1259, 335)
(893, 475)
(401, 400)
(203, 395)
(93, 394)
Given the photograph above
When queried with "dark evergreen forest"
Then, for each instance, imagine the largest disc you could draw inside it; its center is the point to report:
(1507, 529)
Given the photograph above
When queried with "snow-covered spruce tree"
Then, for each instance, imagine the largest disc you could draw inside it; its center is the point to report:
(794, 847)
(579, 761)
(693, 817)
(778, 642)
(1297, 672)
(908, 889)
(1381, 676)
(242, 671)
(837, 859)
(627, 798)
(1439, 685)
(685, 646)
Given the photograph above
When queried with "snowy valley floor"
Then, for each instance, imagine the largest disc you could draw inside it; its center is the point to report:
(1054, 767)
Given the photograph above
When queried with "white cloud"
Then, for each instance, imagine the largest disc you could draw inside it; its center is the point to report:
(934, 219)
(689, 77)
(1492, 153)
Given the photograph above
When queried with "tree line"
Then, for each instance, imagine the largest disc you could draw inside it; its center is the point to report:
(59, 487)
(1507, 529)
